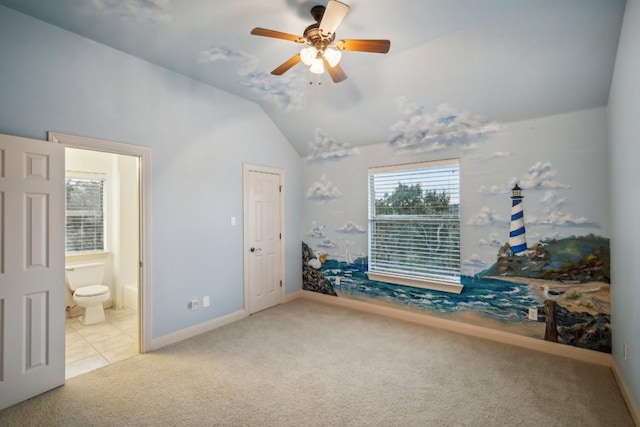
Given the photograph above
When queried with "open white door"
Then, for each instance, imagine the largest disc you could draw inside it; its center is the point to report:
(31, 268)
(263, 244)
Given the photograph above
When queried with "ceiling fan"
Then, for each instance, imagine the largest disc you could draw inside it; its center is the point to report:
(322, 52)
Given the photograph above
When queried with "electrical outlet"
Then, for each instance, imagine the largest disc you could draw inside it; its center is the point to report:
(533, 313)
(193, 305)
(625, 351)
(205, 301)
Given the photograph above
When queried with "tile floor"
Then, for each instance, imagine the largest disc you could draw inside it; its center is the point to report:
(94, 346)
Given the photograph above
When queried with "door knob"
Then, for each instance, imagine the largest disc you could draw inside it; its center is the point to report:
(255, 250)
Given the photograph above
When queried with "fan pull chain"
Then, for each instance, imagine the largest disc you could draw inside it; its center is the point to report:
(311, 78)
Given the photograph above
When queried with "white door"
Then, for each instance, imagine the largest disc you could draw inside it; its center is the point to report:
(31, 268)
(263, 240)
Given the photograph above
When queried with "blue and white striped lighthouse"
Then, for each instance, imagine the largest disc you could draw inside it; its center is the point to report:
(517, 236)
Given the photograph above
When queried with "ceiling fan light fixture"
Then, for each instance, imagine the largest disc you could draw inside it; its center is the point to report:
(332, 55)
(319, 49)
(317, 67)
(308, 55)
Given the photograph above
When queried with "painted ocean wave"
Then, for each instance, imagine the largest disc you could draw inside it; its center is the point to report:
(500, 300)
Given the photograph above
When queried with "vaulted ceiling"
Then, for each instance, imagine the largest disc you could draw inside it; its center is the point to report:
(487, 61)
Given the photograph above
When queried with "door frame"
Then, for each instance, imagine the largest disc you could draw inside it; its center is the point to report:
(246, 169)
(144, 154)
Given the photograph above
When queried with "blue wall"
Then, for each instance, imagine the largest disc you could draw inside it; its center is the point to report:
(624, 110)
(53, 80)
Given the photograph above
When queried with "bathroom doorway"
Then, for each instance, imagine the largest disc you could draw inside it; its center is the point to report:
(106, 234)
(102, 247)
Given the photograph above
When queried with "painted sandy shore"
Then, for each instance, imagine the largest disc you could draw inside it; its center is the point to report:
(589, 297)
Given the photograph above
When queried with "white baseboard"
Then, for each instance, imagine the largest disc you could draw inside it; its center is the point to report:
(564, 350)
(183, 334)
(632, 405)
(293, 296)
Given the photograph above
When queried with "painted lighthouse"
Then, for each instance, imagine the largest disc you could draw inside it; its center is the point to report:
(517, 235)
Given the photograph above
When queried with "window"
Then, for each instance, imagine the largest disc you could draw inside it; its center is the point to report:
(414, 225)
(85, 215)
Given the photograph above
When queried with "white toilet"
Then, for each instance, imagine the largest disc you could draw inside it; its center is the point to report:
(88, 292)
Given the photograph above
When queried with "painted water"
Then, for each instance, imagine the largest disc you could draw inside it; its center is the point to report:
(500, 300)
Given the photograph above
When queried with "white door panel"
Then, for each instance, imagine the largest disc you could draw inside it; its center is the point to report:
(264, 240)
(31, 268)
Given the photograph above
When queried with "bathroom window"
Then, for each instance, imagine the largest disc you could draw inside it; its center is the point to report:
(414, 225)
(84, 215)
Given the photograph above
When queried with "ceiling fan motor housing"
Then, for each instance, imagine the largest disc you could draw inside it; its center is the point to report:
(318, 12)
(315, 37)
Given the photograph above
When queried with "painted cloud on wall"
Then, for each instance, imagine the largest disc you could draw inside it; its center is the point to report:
(283, 92)
(444, 129)
(487, 217)
(561, 219)
(351, 228)
(323, 190)
(327, 244)
(144, 11)
(317, 231)
(492, 241)
(474, 262)
(325, 148)
(539, 176)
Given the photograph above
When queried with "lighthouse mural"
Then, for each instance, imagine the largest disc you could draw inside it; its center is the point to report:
(517, 235)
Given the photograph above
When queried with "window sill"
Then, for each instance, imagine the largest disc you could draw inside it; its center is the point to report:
(453, 288)
(84, 256)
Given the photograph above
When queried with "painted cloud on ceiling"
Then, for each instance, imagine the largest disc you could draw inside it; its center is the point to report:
(142, 11)
(443, 129)
(283, 92)
(325, 148)
(323, 190)
(220, 53)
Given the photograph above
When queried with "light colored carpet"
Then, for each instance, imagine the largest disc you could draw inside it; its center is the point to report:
(307, 363)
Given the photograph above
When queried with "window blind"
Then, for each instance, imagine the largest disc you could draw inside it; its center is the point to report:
(414, 220)
(84, 214)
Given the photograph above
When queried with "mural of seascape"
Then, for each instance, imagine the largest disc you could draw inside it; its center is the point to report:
(504, 293)
(541, 271)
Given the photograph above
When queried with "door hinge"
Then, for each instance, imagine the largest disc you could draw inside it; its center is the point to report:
(281, 188)
(280, 236)
(140, 264)
(280, 283)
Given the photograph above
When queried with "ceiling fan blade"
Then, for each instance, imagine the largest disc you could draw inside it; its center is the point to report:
(337, 73)
(373, 46)
(285, 66)
(333, 16)
(277, 35)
